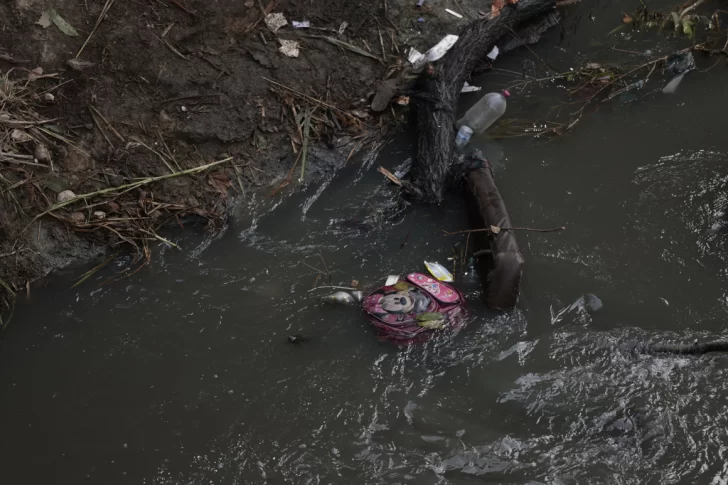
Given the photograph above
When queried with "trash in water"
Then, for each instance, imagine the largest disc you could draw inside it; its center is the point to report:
(581, 308)
(467, 88)
(391, 279)
(463, 136)
(671, 87)
(289, 48)
(358, 295)
(493, 53)
(275, 21)
(339, 297)
(680, 62)
(410, 309)
(439, 271)
(436, 52)
(401, 170)
(301, 25)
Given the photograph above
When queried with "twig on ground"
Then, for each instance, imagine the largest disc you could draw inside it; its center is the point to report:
(98, 125)
(102, 15)
(127, 187)
(111, 127)
(304, 148)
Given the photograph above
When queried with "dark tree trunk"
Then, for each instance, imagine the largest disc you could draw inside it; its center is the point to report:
(440, 86)
(502, 272)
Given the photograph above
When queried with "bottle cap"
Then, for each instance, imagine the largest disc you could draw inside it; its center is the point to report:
(506, 93)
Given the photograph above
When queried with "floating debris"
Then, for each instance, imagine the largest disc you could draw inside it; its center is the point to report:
(439, 271)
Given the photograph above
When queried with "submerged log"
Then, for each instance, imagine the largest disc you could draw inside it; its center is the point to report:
(439, 89)
(502, 273)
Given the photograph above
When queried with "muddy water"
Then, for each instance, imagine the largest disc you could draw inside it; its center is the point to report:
(183, 374)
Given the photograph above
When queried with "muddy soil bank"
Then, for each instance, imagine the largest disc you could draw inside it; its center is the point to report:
(164, 87)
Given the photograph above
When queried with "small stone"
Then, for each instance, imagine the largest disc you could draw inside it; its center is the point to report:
(78, 217)
(42, 154)
(49, 98)
(184, 109)
(65, 196)
(20, 136)
(99, 215)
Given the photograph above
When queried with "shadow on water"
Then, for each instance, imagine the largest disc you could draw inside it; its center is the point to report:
(183, 373)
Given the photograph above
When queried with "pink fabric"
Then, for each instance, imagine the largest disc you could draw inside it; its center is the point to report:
(444, 299)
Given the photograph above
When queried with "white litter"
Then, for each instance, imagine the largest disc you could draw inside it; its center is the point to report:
(301, 25)
(343, 27)
(275, 21)
(391, 279)
(453, 13)
(493, 53)
(467, 88)
(289, 48)
(436, 52)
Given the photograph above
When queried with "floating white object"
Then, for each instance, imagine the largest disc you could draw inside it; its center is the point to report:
(453, 13)
(391, 279)
(436, 52)
(414, 55)
(467, 88)
(301, 25)
(439, 271)
(493, 53)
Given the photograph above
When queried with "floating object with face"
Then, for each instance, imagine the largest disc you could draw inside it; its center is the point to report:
(415, 308)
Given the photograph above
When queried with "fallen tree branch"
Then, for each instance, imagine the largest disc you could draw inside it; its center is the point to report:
(439, 89)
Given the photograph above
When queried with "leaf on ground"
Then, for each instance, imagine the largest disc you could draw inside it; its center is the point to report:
(687, 26)
(61, 23)
(44, 20)
(221, 182)
(495, 229)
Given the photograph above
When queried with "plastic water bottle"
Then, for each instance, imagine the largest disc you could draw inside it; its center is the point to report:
(463, 136)
(485, 112)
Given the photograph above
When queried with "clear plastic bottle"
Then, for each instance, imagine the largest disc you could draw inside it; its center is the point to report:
(485, 112)
(463, 136)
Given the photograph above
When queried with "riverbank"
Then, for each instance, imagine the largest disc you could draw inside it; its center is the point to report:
(155, 113)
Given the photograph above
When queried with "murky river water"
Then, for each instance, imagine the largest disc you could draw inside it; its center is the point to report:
(183, 373)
